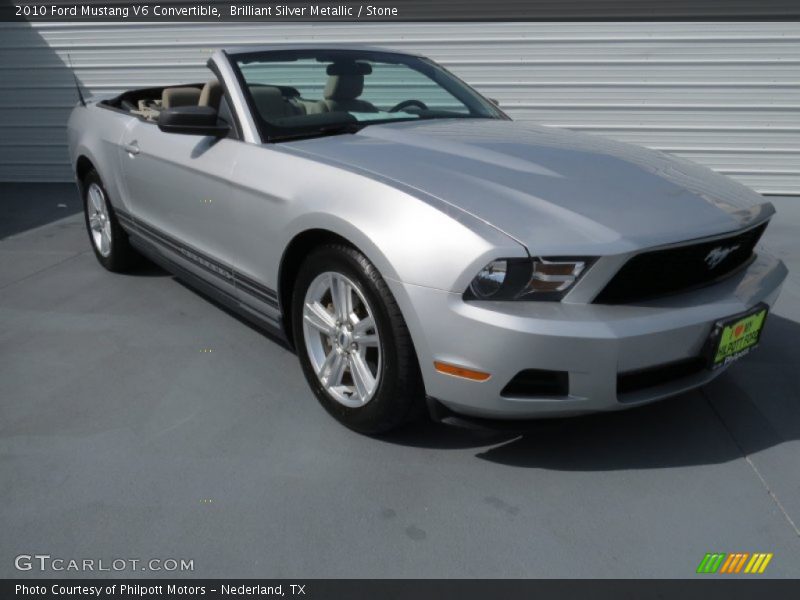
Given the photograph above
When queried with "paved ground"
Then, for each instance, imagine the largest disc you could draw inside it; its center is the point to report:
(120, 438)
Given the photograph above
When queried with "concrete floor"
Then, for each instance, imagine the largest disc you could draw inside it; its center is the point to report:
(120, 438)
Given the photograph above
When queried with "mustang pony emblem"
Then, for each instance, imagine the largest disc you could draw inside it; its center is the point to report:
(717, 255)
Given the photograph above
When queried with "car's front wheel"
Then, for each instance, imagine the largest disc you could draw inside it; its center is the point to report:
(353, 343)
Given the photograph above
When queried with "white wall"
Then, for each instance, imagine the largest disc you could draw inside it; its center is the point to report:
(724, 94)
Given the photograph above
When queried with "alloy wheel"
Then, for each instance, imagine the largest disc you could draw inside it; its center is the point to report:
(342, 339)
(99, 219)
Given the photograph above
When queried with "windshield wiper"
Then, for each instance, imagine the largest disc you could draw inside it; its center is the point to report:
(335, 129)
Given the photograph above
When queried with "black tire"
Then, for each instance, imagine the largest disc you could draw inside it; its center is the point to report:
(122, 256)
(399, 397)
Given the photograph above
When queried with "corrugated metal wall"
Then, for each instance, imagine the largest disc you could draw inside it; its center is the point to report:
(724, 94)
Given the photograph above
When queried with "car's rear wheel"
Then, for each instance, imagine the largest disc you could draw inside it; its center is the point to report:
(109, 241)
(353, 343)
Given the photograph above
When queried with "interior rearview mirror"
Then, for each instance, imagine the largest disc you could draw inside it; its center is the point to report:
(191, 120)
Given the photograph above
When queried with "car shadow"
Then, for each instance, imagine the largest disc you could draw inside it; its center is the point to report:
(751, 407)
(270, 335)
(146, 268)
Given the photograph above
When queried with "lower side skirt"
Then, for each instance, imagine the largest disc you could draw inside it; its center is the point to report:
(264, 322)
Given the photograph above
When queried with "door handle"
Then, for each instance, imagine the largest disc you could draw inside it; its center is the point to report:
(132, 148)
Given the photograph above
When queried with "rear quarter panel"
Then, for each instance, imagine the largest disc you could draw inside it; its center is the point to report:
(95, 133)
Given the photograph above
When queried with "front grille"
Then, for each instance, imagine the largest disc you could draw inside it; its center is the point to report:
(642, 379)
(673, 270)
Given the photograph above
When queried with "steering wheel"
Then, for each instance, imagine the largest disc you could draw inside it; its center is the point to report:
(406, 103)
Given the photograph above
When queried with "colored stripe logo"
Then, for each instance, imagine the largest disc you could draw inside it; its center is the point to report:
(736, 562)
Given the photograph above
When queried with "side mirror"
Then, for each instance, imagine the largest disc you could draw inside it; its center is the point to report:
(494, 101)
(191, 120)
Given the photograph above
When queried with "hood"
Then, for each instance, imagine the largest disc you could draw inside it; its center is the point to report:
(555, 191)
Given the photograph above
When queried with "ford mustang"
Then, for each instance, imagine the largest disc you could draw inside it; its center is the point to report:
(417, 248)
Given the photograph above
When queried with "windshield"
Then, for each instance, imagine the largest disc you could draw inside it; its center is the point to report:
(303, 93)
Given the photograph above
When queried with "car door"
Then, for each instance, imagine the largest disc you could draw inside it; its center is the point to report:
(180, 194)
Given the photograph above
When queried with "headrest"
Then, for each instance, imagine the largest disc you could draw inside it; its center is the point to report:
(349, 67)
(211, 94)
(179, 96)
(346, 80)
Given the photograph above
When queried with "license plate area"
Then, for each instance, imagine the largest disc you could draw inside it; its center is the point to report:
(735, 337)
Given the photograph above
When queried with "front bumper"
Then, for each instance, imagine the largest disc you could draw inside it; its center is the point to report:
(593, 343)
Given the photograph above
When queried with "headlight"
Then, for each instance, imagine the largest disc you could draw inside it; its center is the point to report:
(527, 278)
(490, 280)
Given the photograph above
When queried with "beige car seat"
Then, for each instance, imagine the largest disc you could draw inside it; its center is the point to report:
(179, 96)
(272, 105)
(312, 107)
(345, 84)
(211, 94)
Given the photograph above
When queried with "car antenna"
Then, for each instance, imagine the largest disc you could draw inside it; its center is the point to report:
(75, 77)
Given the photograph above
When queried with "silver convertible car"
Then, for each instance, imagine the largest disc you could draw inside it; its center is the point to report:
(417, 248)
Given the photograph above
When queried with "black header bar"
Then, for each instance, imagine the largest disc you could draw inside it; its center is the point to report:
(702, 587)
(399, 10)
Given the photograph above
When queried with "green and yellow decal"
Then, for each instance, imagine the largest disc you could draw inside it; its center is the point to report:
(733, 563)
(739, 337)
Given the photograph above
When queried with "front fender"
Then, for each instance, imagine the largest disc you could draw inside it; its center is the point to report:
(408, 235)
(417, 244)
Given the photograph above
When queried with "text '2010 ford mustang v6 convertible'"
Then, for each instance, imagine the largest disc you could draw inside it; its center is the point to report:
(417, 247)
